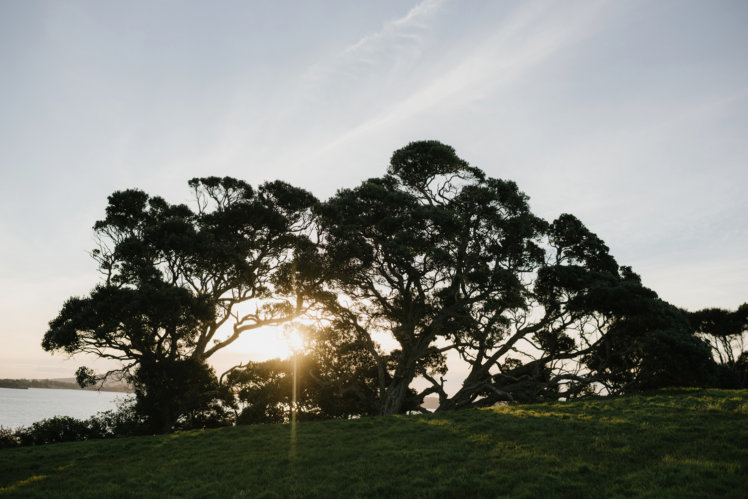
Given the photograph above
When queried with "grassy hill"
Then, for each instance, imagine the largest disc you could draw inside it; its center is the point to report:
(687, 443)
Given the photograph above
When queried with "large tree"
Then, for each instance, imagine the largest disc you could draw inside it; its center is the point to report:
(418, 253)
(432, 259)
(437, 257)
(181, 283)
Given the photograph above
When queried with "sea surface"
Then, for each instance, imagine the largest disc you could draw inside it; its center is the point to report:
(24, 407)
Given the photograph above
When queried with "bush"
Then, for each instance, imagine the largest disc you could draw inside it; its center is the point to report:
(8, 438)
(123, 422)
(52, 430)
(108, 424)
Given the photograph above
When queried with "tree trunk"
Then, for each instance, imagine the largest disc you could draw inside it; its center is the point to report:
(396, 394)
(394, 397)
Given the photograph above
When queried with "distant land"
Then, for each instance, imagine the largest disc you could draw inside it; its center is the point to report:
(65, 384)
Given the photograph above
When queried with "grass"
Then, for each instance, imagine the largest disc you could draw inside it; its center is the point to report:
(684, 443)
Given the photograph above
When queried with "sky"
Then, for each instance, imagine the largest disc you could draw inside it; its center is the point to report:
(632, 115)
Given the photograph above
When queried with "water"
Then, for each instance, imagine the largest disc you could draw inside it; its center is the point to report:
(24, 407)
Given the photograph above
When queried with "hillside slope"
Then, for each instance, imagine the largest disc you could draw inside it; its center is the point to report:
(690, 443)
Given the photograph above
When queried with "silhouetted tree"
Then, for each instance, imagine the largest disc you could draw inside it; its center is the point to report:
(442, 258)
(536, 344)
(173, 277)
(726, 333)
(434, 258)
(434, 254)
(647, 344)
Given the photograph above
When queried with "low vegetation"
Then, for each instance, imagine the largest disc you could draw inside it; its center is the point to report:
(108, 424)
(675, 443)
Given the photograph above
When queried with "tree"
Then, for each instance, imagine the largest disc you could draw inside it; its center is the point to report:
(441, 258)
(416, 252)
(530, 348)
(648, 343)
(173, 277)
(434, 258)
(726, 333)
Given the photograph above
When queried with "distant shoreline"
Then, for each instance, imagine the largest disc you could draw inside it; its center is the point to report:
(63, 384)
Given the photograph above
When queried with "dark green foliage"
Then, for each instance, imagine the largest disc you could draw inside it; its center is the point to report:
(264, 390)
(183, 394)
(8, 438)
(174, 276)
(574, 243)
(127, 317)
(434, 250)
(434, 256)
(53, 430)
(741, 366)
(720, 322)
(167, 385)
(726, 333)
(647, 344)
(419, 163)
(125, 421)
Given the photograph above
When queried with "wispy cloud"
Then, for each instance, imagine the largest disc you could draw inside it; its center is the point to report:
(398, 40)
(415, 19)
(527, 37)
(332, 95)
(411, 66)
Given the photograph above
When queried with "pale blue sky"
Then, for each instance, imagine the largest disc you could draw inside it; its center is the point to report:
(633, 115)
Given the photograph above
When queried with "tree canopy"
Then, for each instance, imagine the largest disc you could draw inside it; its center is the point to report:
(174, 276)
(394, 281)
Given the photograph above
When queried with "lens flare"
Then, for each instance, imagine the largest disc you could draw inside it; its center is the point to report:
(295, 341)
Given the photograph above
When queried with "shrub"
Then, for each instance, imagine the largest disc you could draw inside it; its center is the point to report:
(52, 430)
(8, 438)
(124, 421)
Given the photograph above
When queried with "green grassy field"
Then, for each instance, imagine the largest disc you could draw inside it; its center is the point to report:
(690, 443)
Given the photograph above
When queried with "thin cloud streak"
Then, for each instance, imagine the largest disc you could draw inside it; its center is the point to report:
(351, 81)
(416, 19)
(530, 36)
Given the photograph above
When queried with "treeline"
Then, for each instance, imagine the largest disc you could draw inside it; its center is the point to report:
(63, 384)
(385, 282)
(23, 384)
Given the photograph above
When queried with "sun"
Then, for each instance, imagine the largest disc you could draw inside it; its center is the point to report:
(294, 341)
(260, 345)
(267, 343)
